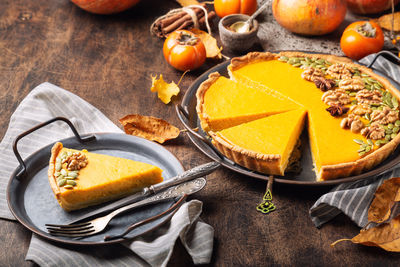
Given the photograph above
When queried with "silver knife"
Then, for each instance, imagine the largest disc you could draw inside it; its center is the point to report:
(188, 175)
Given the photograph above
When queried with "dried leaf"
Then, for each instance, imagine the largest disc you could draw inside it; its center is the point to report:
(385, 197)
(188, 2)
(151, 128)
(212, 49)
(165, 90)
(386, 236)
(385, 21)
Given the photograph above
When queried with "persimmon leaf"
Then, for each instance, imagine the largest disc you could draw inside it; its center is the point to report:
(212, 49)
(150, 128)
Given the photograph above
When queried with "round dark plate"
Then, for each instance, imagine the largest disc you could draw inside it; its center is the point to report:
(33, 204)
(306, 177)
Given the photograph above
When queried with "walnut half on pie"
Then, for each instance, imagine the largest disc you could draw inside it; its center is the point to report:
(351, 113)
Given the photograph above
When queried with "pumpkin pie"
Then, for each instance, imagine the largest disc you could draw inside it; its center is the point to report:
(225, 103)
(352, 113)
(80, 179)
(263, 145)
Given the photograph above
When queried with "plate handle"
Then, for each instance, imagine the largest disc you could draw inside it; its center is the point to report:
(385, 53)
(22, 168)
(183, 116)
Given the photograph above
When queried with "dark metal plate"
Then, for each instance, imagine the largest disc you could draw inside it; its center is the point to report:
(32, 201)
(307, 176)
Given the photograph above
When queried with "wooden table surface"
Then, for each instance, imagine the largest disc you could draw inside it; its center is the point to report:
(108, 61)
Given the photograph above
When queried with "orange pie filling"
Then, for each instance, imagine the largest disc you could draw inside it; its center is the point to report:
(257, 145)
(226, 103)
(353, 114)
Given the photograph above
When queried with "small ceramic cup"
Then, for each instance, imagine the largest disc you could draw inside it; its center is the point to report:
(235, 41)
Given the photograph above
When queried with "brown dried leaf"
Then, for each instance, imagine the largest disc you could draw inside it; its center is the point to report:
(385, 21)
(165, 90)
(188, 2)
(385, 197)
(212, 49)
(151, 128)
(386, 236)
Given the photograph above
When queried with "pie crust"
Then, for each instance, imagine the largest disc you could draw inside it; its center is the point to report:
(261, 162)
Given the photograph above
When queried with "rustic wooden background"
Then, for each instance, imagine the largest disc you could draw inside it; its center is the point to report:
(108, 60)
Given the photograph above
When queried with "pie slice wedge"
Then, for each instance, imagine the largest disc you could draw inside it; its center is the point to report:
(80, 179)
(223, 103)
(263, 145)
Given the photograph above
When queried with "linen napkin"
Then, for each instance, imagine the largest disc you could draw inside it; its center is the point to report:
(353, 199)
(155, 249)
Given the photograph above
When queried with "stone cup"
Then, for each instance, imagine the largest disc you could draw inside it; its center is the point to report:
(238, 42)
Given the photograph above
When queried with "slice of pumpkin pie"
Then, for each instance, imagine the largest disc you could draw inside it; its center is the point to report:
(264, 145)
(223, 103)
(80, 178)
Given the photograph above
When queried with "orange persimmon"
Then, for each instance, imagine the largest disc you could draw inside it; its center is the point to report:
(183, 50)
(228, 7)
(361, 38)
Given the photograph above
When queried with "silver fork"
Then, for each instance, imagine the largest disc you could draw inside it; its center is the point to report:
(99, 224)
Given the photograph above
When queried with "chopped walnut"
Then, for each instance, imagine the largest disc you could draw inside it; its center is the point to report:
(310, 74)
(324, 84)
(340, 71)
(361, 109)
(352, 84)
(385, 116)
(374, 131)
(353, 123)
(76, 161)
(335, 97)
(369, 97)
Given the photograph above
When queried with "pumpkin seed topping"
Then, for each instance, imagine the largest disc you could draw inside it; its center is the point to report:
(58, 166)
(283, 58)
(62, 182)
(358, 141)
(71, 182)
(73, 174)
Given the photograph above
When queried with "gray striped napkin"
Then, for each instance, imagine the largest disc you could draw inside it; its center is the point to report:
(47, 101)
(353, 199)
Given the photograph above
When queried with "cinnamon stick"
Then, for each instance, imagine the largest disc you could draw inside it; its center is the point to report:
(179, 20)
(173, 26)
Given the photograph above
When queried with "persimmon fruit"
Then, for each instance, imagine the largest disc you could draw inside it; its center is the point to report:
(361, 38)
(184, 51)
(227, 7)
